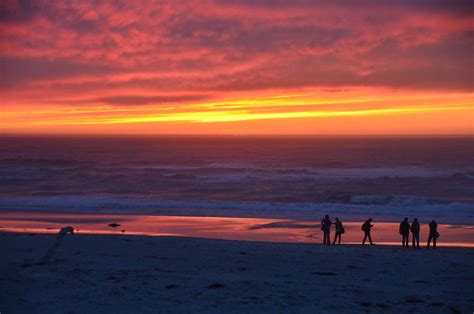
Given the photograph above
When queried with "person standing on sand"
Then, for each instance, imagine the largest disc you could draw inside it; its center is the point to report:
(434, 234)
(415, 232)
(366, 228)
(339, 230)
(405, 231)
(326, 228)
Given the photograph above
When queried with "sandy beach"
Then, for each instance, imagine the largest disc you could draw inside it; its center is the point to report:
(126, 274)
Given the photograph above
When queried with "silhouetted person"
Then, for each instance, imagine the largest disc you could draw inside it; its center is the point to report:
(326, 228)
(433, 234)
(339, 230)
(405, 231)
(415, 232)
(366, 226)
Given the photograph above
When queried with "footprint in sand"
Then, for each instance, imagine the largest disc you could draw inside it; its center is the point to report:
(414, 300)
(323, 273)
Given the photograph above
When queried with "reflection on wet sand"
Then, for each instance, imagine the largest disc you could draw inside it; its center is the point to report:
(248, 229)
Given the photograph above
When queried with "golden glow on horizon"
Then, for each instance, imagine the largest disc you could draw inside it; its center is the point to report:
(278, 106)
(244, 115)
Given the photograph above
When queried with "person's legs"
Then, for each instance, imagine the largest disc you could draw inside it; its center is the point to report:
(406, 240)
(417, 240)
(335, 237)
(339, 238)
(370, 238)
(429, 241)
(326, 238)
(434, 242)
(365, 237)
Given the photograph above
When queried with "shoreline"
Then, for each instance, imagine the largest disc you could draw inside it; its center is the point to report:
(226, 228)
(352, 245)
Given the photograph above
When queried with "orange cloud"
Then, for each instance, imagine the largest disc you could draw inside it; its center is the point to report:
(176, 64)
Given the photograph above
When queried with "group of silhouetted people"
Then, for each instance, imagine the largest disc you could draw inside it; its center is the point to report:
(405, 229)
(326, 228)
(414, 228)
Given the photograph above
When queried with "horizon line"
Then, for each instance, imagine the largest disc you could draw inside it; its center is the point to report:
(425, 135)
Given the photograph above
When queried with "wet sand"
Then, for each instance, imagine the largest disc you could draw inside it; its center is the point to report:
(139, 274)
(228, 228)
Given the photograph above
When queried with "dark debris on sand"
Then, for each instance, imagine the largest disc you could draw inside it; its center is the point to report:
(323, 273)
(215, 286)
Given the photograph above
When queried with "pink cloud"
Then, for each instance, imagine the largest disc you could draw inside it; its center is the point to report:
(220, 46)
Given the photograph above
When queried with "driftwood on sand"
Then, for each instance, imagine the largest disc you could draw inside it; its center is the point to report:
(49, 254)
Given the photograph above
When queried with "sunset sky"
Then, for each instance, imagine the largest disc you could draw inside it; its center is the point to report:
(237, 67)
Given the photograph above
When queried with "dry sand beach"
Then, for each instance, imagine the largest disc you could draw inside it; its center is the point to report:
(132, 274)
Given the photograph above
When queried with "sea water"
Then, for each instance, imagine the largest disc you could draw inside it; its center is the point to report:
(386, 178)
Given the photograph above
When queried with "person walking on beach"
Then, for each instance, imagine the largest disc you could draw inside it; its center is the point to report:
(404, 231)
(326, 228)
(339, 230)
(433, 234)
(415, 232)
(366, 228)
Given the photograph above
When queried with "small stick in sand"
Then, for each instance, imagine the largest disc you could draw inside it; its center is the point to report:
(62, 233)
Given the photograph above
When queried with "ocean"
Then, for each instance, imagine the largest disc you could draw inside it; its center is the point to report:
(386, 178)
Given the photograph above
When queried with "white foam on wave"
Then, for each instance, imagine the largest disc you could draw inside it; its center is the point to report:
(456, 212)
(331, 174)
(398, 172)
